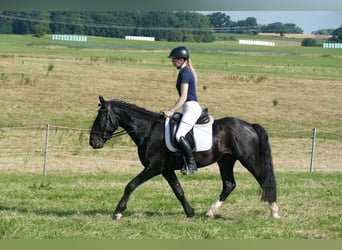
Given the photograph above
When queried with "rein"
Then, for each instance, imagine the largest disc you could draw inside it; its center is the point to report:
(120, 133)
(117, 134)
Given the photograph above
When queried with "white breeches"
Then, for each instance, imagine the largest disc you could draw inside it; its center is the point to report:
(191, 112)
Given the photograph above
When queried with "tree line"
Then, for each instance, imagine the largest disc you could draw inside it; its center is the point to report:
(167, 26)
(222, 23)
(170, 26)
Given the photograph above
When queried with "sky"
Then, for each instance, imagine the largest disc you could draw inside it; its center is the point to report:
(309, 21)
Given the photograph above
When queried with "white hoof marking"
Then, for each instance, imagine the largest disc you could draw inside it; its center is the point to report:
(118, 216)
(213, 209)
(274, 210)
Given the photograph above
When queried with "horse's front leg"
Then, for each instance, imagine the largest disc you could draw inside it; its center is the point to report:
(145, 175)
(172, 179)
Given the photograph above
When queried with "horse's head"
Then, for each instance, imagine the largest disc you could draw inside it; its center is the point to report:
(106, 122)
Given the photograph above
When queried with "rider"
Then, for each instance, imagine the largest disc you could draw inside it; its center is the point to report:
(186, 87)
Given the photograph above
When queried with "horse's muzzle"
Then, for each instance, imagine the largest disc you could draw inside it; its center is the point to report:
(96, 142)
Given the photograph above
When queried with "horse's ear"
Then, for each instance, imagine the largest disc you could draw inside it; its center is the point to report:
(102, 100)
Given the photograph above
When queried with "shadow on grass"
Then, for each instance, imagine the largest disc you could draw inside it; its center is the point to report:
(93, 212)
(59, 213)
(109, 213)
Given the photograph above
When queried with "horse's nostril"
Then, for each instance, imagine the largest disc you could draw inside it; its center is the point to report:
(95, 142)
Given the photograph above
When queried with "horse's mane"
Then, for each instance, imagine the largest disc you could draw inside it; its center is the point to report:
(134, 107)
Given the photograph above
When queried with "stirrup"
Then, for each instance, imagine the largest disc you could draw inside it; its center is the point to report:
(186, 170)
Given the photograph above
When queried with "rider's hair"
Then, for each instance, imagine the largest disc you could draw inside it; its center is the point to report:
(191, 67)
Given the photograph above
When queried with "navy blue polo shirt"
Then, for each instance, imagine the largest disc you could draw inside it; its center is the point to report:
(185, 75)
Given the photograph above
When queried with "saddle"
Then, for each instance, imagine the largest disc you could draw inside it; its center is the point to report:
(203, 119)
(203, 127)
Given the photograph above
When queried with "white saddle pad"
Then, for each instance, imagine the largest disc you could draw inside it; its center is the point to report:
(203, 136)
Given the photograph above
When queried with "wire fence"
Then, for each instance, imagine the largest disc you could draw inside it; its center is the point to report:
(46, 148)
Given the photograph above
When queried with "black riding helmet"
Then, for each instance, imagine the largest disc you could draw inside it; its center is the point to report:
(180, 52)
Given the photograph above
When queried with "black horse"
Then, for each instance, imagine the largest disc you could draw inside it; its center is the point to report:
(233, 139)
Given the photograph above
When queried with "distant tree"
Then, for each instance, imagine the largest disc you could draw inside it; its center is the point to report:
(66, 22)
(39, 30)
(22, 26)
(281, 28)
(222, 23)
(249, 25)
(5, 23)
(175, 36)
(276, 27)
(196, 24)
(292, 28)
(309, 42)
(219, 20)
(323, 32)
(336, 36)
(251, 22)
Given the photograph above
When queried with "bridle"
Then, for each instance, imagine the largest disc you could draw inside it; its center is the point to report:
(115, 134)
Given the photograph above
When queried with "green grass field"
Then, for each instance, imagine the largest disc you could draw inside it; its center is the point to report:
(80, 207)
(287, 89)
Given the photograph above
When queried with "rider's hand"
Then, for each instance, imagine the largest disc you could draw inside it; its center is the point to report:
(168, 113)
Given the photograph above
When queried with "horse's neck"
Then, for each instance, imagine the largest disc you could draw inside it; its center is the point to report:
(130, 119)
(134, 121)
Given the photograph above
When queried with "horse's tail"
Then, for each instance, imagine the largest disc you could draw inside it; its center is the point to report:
(268, 181)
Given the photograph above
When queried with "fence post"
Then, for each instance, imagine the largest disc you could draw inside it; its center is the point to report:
(46, 147)
(313, 150)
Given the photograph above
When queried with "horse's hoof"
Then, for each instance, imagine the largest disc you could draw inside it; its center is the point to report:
(274, 210)
(208, 217)
(276, 216)
(117, 216)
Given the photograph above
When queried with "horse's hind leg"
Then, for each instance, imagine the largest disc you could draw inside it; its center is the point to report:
(262, 170)
(226, 165)
(266, 180)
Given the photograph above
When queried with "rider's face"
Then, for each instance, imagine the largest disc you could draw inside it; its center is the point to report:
(177, 62)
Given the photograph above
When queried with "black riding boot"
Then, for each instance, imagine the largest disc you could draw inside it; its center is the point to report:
(191, 165)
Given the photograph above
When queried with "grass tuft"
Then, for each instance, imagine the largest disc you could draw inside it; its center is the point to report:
(50, 68)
